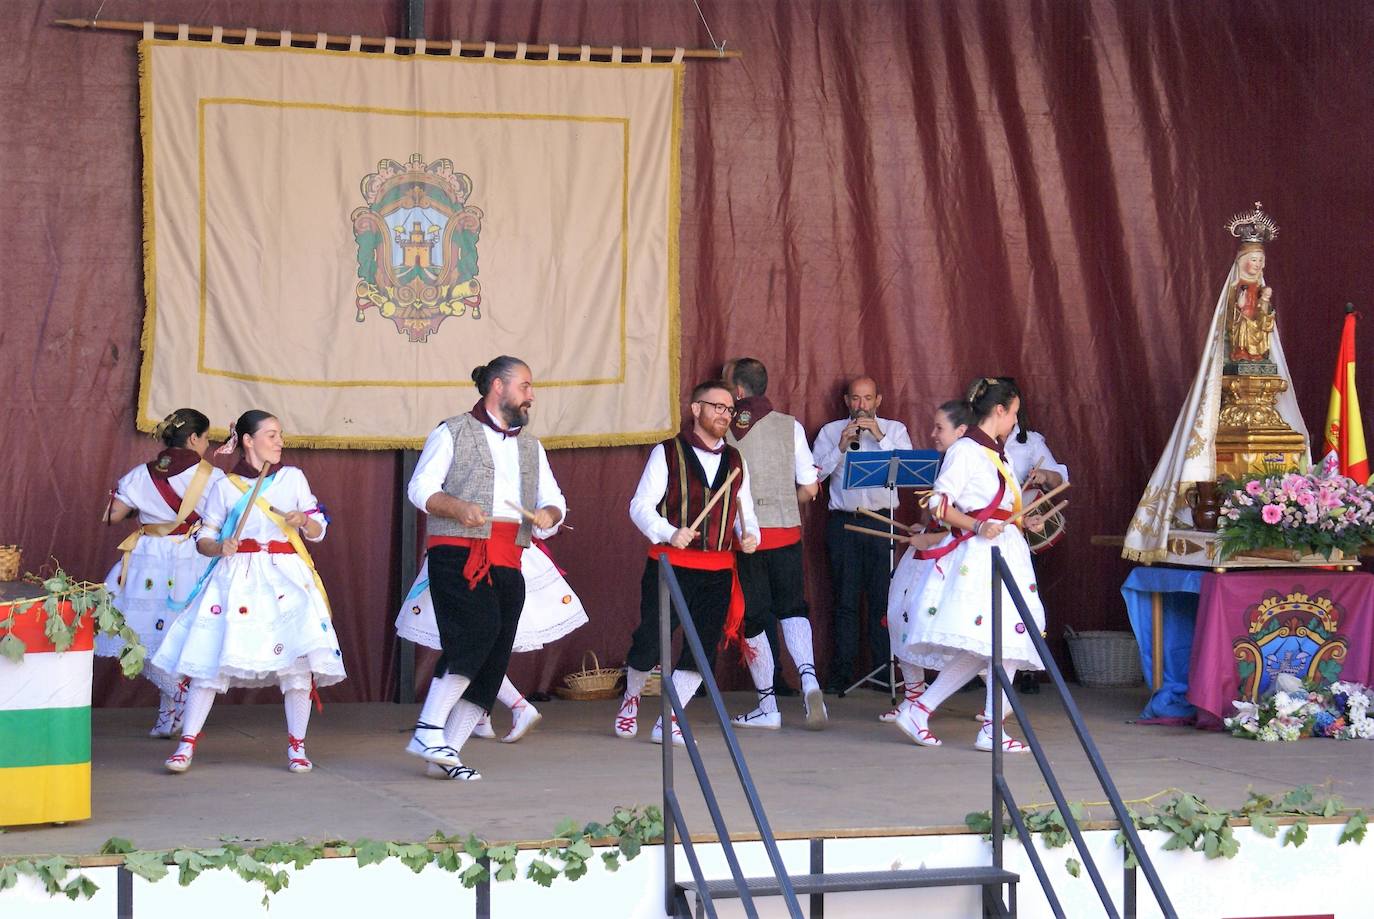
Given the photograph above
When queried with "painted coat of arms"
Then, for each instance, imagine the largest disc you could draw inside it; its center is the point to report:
(1293, 633)
(417, 246)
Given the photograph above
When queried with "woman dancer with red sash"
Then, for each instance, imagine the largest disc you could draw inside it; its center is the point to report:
(260, 616)
(160, 563)
(949, 627)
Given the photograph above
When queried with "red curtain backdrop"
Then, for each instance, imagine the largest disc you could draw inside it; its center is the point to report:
(924, 192)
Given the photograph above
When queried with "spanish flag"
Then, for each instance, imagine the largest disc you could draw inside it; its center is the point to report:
(45, 722)
(1344, 449)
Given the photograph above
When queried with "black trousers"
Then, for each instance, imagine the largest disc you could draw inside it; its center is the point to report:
(708, 600)
(860, 567)
(476, 625)
(773, 584)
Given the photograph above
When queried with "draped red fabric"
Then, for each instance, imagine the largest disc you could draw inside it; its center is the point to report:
(922, 191)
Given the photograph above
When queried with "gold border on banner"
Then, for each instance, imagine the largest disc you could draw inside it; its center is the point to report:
(144, 422)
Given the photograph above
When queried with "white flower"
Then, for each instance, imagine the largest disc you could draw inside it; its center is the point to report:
(1268, 734)
(1286, 703)
(1287, 682)
(1246, 711)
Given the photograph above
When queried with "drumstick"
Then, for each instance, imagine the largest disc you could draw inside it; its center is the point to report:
(720, 493)
(252, 496)
(876, 516)
(529, 514)
(1036, 503)
(867, 532)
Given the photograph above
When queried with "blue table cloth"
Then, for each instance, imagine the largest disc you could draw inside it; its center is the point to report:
(1180, 587)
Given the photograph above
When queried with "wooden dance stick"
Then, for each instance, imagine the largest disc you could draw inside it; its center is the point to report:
(252, 496)
(720, 493)
(1036, 503)
(876, 516)
(867, 532)
(529, 514)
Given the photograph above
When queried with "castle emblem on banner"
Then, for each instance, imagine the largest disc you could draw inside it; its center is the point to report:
(417, 246)
(1294, 633)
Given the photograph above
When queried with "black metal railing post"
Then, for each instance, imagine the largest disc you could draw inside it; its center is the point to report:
(692, 640)
(665, 653)
(995, 711)
(1003, 579)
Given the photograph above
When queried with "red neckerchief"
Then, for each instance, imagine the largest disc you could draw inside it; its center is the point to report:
(172, 461)
(981, 438)
(479, 411)
(689, 434)
(244, 469)
(749, 411)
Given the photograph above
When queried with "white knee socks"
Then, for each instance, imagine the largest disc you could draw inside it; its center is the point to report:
(297, 702)
(761, 669)
(957, 672)
(796, 633)
(508, 695)
(461, 721)
(686, 683)
(198, 702)
(634, 682)
(1006, 706)
(444, 693)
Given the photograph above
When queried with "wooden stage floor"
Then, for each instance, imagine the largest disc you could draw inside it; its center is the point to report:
(859, 777)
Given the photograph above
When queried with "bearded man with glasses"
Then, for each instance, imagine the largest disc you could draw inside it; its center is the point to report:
(678, 482)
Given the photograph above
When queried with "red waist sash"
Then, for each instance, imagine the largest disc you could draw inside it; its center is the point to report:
(704, 560)
(274, 547)
(498, 550)
(778, 537)
(962, 535)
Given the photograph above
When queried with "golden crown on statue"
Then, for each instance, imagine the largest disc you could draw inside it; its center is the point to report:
(1254, 227)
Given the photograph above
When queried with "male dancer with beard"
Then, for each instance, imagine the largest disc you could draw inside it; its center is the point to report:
(784, 475)
(678, 482)
(475, 475)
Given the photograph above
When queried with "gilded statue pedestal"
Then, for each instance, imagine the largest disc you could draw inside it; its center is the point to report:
(1252, 438)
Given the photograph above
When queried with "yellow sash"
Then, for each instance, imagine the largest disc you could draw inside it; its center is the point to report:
(1010, 479)
(188, 504)
(293, 536)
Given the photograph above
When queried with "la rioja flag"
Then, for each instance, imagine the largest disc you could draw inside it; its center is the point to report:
(1344, 450)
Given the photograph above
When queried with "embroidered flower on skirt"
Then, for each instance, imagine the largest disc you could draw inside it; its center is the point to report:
(1020, 628)
(931, 611)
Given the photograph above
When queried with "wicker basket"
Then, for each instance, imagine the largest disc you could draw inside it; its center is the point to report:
(10, 559)
(594, 682)
(1105, 658)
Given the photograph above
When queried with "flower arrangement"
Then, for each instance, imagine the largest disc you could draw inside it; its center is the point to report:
(1295, 710)
(1346, 715)
(1300, 512)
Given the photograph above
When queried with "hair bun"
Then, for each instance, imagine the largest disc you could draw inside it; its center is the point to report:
(477, 373)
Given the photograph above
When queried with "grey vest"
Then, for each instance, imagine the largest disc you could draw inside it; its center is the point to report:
(472, 477)
(770, 458)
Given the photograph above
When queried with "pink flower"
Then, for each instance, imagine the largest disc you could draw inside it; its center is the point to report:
(1272, 513)
(1253, 487)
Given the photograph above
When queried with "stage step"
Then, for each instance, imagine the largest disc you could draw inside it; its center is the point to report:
(984, 876)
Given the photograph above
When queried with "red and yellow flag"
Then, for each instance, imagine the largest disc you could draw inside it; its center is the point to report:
(1344, 448)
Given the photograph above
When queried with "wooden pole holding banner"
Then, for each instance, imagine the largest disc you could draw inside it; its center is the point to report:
(468, 48)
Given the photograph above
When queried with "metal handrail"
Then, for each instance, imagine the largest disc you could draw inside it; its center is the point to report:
(1002, 577)
(669, 597)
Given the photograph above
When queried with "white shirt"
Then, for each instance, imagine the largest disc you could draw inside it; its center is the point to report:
(1023, 456)
(653, 484)
(437, 458)
(136, 489)
(288, 491)
(804, 462)
(829, 454)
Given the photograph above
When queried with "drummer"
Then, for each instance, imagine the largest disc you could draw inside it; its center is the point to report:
(1038, 471)
(1031, 459)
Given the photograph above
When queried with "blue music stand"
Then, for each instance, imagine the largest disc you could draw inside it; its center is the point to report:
(891, 469)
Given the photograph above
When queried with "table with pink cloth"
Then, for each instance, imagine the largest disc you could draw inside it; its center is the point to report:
(1230, 601)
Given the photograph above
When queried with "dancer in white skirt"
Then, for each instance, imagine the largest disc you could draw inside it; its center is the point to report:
(160, 564)
(260, 617)
(949, 627)
(951, 421)
(551, 611)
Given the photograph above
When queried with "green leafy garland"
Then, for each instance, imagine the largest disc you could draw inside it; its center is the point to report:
(85, 598)
(474, 860)
(1192, 824)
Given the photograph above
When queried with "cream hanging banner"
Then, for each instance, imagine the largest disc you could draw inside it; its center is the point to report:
(340, 237)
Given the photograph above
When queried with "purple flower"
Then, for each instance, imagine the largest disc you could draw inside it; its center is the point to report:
(1272, 513)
